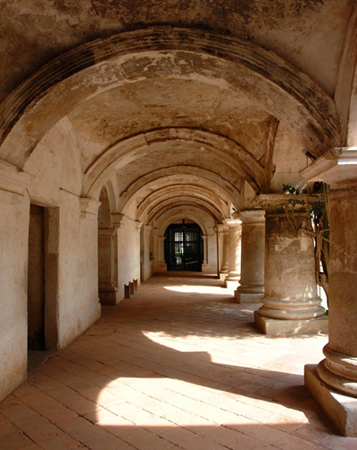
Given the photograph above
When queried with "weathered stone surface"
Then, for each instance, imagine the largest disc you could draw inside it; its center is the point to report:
(290, 284)
(165, 112)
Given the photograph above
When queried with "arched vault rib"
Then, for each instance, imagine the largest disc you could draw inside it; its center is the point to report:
(285, 92)
(185, 202)
(173, 194)
(173, 175)
(177, 213)
(133, 148)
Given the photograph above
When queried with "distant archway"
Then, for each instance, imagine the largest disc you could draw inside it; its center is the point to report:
(184, 247)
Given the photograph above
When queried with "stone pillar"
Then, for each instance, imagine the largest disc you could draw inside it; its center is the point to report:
(205, 250)
(223, 231)
(107, 250)
(162, 263)
(14, 235)
(339, 368)
(234, 252)
(290, 300)
(251, 289)
(333, 382)
(146, 263)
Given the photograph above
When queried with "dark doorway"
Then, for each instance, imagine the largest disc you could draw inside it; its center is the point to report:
(36, 279)
(184, 247)
(42, 294)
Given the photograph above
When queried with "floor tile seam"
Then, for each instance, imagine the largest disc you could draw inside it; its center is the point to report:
(139, 426)
(25, 405)
(183, 409)
(34, 440)
(23, 433)
(94, 371)
(264, 407)
(65, 406)
(263, 440)
(105, 368)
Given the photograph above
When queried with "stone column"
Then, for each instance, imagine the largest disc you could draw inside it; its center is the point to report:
(251, 289)
(223, 231)
(205, 250)
(162, 262)
(290, 302)
(339, 368)
(234, 252)
(146, 263)
(334, 381)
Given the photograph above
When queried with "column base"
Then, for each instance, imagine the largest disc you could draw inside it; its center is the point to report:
(245, 297)
(108, 294)
(341, 409)
(276, 327)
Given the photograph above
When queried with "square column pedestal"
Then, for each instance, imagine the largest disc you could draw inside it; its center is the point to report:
(342, 409)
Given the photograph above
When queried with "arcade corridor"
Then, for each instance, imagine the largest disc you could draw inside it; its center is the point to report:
(179, 365)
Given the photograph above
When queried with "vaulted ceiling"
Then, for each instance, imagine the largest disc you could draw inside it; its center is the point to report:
(174, 104)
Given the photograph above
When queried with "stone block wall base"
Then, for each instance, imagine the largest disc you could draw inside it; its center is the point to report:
(109, 297)
(341, 409)
(242, 297)
(276, 327)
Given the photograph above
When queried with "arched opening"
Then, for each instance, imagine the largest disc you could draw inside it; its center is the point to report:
(184, 246)
(42, 285)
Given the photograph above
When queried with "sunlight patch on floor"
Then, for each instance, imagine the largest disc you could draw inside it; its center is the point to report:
(216, 290)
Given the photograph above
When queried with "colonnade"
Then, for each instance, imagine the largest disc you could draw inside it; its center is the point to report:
(277, 268)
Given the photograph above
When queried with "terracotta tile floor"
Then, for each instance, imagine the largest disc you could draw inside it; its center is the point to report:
(179, 365)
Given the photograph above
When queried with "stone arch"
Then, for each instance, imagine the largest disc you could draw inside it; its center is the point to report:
(185, 201)
(172, 195)
(283, 91)
(177, 213)
(203, 218)
(133, 148)
(172, 176)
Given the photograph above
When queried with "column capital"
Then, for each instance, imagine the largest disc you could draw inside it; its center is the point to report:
(252, 216)
(270, 202)
(138, 224)
(337, 167)
(89, 207)
(116, 219)
(232, 223)
(222, 227)
(147, 228)
(13, 184)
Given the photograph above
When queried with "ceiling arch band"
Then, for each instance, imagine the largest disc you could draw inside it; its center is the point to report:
(75, 76)
(133, 148)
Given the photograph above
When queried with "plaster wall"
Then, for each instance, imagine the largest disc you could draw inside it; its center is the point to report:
(14, 221)
(55, 169)
(78, 270)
